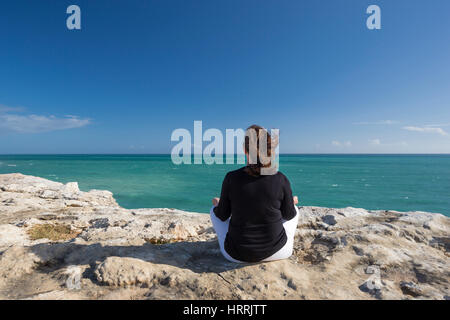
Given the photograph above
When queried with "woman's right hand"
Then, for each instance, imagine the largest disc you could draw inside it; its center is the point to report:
(295, 200)
(215, 201)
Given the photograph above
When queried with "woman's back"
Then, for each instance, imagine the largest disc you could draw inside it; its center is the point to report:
(257, 205)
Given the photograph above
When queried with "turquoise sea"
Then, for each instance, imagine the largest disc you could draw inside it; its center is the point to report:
(397, 182)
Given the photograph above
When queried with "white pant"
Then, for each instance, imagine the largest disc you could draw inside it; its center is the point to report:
(221, 228)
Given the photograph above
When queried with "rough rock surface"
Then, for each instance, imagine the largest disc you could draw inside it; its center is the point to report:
(170, 254)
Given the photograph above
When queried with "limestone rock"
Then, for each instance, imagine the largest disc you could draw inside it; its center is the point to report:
(70, 191)
(329, 219)
(411, 288)
(117, 271)
(160, 253)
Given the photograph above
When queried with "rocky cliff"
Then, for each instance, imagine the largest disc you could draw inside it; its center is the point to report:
(57, 242)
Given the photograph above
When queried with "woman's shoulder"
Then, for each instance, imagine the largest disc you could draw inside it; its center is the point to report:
(233, 173)
(282, 176)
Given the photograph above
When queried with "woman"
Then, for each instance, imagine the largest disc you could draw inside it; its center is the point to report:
(255, 217)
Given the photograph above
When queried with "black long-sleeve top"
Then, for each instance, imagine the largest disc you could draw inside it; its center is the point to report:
(257, 206)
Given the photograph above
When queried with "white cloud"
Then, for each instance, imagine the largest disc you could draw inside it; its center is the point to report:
(381, 122)
(379, 143)
(438, 125)
(20, 123)
(341, 144)
(136, 147)
(427, 130)
(5, 109)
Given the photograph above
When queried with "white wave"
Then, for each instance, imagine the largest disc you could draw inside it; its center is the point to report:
(12, 165)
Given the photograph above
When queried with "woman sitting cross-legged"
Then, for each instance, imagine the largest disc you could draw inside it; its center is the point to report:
(256, 216)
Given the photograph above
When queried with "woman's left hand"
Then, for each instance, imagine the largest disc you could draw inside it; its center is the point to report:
(215, 201)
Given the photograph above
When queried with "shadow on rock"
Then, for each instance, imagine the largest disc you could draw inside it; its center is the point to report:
(198, 257)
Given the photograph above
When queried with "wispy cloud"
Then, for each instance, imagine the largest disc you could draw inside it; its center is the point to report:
(5, 109)
(438, 125)
(379, 143)
(341, 144)
(427, 129)
(133, 147)
(11, 121)
(381, 122)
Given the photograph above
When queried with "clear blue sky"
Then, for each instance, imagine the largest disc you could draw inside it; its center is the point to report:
(137, 70)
